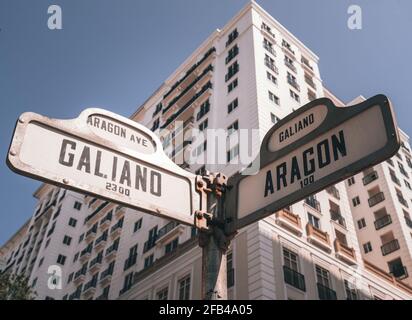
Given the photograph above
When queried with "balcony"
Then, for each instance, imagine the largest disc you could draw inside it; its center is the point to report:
(399, 272)
(370, 177)
(382, 222)
(272, 67)
(332, 190)
(326, 293)
(89, 288)
(191, 102)
(289, 221)
(106, 276)
(376, 198)
(402, 200)
(130, 261)
(149, 244)
(408, 222)
(91, 234)
(106, 221)
(294, 84)
(390, 162)
(181, 83)
(168, 231)
(318, 237)
(294, 278)
(310, 82)
(337, 217)
(95, 264)
(290, 66)
(116, 230)
(390, 247)
(85, 255)
(312, 202)
(111, 252)
(100, 242)
(119, 212)
(344, 252)
(395, 179)
(269, 48)
(79, 276)
(94, 216)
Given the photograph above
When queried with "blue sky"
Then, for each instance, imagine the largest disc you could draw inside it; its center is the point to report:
(114, 54)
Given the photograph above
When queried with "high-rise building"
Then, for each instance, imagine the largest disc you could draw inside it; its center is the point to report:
(247, 75)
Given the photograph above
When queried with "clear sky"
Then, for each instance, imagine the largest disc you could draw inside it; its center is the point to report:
(114, 54)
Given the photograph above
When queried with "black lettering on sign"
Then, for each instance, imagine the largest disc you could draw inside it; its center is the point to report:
(313, 158)
(63, 151)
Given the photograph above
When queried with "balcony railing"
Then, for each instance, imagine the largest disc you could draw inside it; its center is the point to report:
(344, 251)
(289, 220)
(130, 261)
(166, 229)
(370, 177)
(290, 66)
(149, 244)
(326, 293)
(230, 277)
(337, 217)
(183, 108)
(402, 200)
(382, 222)
(376, 198)
(322, 237)
(313, 203)
(332, 190)
(395, 179)
(390, 247)
(408, 222)
(294, 84)
(272, 67)
(294, 278)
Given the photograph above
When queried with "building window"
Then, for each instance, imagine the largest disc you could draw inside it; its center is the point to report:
(67, 240)
(232, 36)
(311, 95)
(77, 205)
(273, 97)
(33, 284)
(203, 125)
(270, 63)
(367, 247)
(128, 282)
(163, 294)
(291, 260)
(81, 237)
(184, 288)
(156, 124)
(407, 184)
(70, 278)
(350, 290)
(324, 284)
(232, 128)
(274, 118)
(232, 153)
(292, 81)
(351, 181)
(41, 262)
(230, 270)
(294, 95)
(271, 77)
(233, 105)
(203, 110)
(200, 149)
(361, 223)
(314, 221)
(148, 261)
(76, 256)
(137, 225)
(287, 45)
(72, 222)
(268, 46)
(356, 201)
(61, 259)
(232, 85)
(232, 53)
(159, 107)
(232, 70)
(171, 246)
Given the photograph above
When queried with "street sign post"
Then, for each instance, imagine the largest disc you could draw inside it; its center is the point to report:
(312, 148)
(105, 155)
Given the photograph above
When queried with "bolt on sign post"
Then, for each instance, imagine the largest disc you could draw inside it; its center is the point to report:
(105, 155)
(312, 148)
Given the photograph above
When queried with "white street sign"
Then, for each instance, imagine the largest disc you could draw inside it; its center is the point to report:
(316, 146)
(105, 155)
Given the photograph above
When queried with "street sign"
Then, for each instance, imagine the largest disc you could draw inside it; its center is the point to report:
(312, 148)
(105, 155)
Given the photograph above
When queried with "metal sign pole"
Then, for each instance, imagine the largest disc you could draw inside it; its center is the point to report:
(213, 241)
